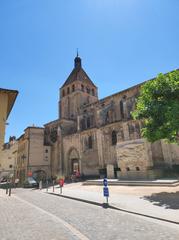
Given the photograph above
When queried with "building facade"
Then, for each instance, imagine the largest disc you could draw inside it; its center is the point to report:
(99, 137)
(33, 157)
(9, 157)
(7, 100)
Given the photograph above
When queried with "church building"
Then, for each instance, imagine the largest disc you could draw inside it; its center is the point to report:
(98, 137)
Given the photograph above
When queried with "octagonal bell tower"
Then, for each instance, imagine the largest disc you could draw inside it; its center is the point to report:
(77, 91)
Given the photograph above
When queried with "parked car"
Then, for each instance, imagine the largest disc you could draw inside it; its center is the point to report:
(30, 182)
(3, 179)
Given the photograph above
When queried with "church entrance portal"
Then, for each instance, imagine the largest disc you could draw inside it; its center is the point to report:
(74, 162)
(75, 165)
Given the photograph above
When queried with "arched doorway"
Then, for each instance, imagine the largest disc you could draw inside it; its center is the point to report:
(74, 161)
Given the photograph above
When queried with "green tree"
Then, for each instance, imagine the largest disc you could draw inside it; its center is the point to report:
(158, 107)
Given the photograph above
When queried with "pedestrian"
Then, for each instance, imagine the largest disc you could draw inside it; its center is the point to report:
(77, 174)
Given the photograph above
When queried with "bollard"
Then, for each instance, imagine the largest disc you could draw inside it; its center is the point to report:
(47, 185)
(9, 190)
(40, 185)
(53, 185)
(6, 188)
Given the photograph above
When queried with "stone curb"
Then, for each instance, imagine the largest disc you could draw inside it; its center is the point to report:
(132, 183)
(104, 205)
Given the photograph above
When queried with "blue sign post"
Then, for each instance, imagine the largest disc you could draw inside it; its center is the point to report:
(105, 182)
(105, 189)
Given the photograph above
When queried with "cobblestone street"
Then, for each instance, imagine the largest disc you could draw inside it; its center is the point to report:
(31, 214)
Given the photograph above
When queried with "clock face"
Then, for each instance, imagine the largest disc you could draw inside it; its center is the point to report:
(53, 135)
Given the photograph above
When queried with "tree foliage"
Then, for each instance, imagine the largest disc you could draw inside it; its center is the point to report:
(158, 107)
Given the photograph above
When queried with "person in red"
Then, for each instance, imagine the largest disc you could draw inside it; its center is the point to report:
(77, 174)
(61, 182)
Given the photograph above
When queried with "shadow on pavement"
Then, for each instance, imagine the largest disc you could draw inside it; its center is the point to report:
(168, 200)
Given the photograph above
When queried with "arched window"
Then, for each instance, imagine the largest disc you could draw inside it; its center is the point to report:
(73, 88)
(88, 90)
(90, 142)
(88, 122)
(121, 109)
(137, 169)
(63, 92)
(83, 123)
(114, 138)
(128, 169)
(68, 90)
(107, 117)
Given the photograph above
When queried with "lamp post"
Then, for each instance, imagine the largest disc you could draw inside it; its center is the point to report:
(23, 157)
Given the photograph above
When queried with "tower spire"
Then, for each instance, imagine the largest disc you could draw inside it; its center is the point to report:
(77, 60)
(77, 52)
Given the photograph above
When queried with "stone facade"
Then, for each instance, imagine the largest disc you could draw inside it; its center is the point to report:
(33, 157)
(99, 137)
(9, 157)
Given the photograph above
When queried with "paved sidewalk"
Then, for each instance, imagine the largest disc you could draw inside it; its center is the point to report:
(129, 198)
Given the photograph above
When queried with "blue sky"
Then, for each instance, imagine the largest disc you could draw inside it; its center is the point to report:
(121, 43)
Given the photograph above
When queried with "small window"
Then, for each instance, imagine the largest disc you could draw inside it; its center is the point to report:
(90, 142)
(114, 138)
(68, 90)
(63, 93)
(73, 88)
(93, 92)
(128, 169)
(46, 150)
(121, 109)
(88, 122)
(82, 87)
(10, 166)
(137, 169)
(88, 90)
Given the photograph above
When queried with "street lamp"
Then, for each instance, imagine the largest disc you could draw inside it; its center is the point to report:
(23, 157)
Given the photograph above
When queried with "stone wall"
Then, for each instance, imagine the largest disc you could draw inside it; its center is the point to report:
(89, 154)
(132, 159)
